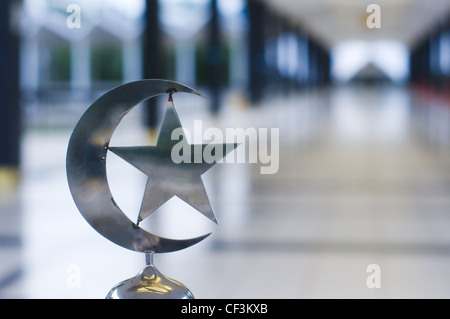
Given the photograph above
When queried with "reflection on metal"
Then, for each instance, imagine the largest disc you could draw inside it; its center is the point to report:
(150, 284)
(86, 172)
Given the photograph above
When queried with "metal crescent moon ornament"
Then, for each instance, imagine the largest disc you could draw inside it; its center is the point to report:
(86, 167)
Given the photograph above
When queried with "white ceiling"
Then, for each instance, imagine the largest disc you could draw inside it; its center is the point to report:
(334, 21)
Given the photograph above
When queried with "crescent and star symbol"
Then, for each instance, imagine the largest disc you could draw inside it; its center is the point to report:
(167, 179)
(86, 167)
(88, 149)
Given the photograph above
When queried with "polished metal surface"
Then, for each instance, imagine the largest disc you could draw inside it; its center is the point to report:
(86, 168)
(150, 283)
(167, 178)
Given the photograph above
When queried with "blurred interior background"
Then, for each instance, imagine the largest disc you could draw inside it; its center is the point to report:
(358, 89)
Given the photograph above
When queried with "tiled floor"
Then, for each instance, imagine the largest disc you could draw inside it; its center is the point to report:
(363, 179)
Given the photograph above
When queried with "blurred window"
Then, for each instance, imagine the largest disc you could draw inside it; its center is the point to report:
(59, 65)
(106, 62)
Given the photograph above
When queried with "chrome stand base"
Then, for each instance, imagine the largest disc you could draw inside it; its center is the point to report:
(150, 284)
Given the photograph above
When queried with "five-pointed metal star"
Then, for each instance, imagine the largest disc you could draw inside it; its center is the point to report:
(165, 177)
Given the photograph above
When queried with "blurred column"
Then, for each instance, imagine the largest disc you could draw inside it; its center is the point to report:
(9, 92)
(268, 49)
(327, 68)
(151, 48)
(256, 42)
(214, 58)
(323, 66)
(434, 55)
(444, 56)
(80, 68)
(319, 64)
(413, 73)
(185, 61)
(313, 63)
(284, 55)
(420, 62)
(303, 65)
(439, 52)
(236, 25)
(132, 61)
(29, 67)
(430, 61)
